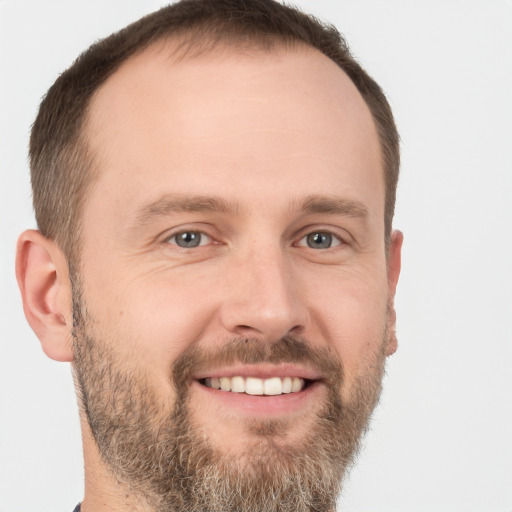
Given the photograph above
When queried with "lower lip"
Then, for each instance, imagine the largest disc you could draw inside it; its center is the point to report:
(269, 405)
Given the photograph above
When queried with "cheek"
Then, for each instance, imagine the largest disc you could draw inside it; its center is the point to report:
(150, 320)
(351, 314)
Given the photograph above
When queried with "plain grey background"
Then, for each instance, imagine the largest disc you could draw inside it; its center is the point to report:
(441, 439)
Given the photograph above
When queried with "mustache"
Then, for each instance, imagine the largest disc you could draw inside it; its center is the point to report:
(288, 349)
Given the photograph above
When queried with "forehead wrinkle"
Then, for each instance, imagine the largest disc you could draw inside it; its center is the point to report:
(173, 203)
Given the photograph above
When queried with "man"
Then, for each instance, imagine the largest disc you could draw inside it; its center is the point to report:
(214, 188)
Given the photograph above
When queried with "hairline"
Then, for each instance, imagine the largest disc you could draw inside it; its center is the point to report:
(189, 47)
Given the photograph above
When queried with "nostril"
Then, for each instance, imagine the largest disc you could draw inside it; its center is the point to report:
(248, 331)
(298, 329)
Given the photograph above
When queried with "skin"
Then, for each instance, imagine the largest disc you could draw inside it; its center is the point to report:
(263, 132)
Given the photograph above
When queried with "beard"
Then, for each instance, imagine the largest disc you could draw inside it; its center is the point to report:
(157, 453)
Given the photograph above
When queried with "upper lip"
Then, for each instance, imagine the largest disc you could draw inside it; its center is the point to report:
(261, 371)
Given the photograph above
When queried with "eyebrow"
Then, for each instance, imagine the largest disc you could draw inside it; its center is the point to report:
(171, 203)
(315, 204)
(333, 205)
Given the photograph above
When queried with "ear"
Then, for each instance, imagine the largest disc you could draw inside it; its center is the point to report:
(43, 279)
(394, 263)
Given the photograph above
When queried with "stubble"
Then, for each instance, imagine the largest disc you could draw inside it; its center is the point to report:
(157, 452)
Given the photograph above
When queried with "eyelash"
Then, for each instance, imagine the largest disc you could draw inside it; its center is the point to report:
(334, 240)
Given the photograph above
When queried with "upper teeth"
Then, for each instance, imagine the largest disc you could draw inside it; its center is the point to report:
(255, 386)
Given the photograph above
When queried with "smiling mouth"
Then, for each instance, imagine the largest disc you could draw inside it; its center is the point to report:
(257, 387)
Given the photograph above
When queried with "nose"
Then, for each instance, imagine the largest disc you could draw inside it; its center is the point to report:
(263, 298)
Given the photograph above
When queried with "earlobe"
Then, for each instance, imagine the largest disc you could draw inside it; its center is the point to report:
(394, 266)
(43, 279)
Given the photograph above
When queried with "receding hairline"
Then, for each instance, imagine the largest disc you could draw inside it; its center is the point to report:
(168, 50)
(199, 27)
(177, 48)
(171, 50)
(183, 46)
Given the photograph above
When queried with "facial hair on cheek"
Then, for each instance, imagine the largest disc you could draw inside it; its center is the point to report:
(158, 453)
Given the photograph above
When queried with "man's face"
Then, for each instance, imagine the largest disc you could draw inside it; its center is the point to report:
(234, 237)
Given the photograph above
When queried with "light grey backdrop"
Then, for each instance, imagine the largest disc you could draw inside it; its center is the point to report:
(441, 440)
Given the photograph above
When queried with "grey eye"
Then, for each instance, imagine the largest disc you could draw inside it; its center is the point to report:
(189, 239)
(319, 240)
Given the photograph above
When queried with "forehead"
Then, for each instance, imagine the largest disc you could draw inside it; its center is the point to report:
(228, 119)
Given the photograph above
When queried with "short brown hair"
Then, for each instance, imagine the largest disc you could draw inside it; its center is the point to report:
(61, 163)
